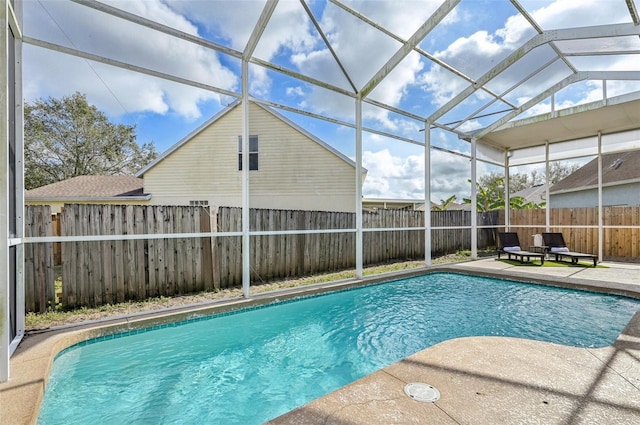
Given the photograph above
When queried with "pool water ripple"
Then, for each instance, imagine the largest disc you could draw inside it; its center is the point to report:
(249, 367)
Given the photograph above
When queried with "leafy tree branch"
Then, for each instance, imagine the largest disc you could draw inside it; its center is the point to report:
(67, 137)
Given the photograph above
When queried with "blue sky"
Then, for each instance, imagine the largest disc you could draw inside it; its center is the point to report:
(473, 37)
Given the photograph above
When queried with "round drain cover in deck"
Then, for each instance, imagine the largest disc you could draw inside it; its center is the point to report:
(422, 392)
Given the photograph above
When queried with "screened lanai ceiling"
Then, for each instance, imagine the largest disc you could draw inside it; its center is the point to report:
(508, 73)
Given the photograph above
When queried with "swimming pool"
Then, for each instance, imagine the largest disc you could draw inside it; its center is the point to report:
(251, 366)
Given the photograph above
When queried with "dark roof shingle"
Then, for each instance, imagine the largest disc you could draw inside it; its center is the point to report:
(89, 187)
(616, 167)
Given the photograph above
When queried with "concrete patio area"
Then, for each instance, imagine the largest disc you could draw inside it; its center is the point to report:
(482, 380)
(496, 380)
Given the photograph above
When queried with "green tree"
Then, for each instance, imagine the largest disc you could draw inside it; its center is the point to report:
(444, 204)
(558, 170)
(68, 137)
(490, 196)
(520, 181)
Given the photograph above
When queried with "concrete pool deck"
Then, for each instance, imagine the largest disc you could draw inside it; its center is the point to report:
(482, 380)
(497, 380)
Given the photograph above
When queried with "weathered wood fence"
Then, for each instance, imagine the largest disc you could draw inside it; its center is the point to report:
(619, 244)
(104, 272)
(290, 255)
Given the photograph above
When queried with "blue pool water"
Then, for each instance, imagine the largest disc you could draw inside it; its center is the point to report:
(251, 366)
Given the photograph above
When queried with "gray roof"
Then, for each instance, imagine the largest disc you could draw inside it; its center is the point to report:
(89, 187)
(535, 194)
(617, 168)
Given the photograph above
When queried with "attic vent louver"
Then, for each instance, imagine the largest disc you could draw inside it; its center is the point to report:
(616, 164)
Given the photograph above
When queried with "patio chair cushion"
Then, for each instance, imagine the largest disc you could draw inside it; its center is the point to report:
(511, 248)
(559, 249)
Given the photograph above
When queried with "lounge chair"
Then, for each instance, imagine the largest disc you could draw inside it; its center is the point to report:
(557, 246)
(510, 245)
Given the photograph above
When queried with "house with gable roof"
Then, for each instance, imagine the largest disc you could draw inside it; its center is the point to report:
(290, 169)
(620, 183)
(120, 190)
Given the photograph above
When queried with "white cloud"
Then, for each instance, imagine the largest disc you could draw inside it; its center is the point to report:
(393, 88)
(351, 39)
(288, 30)
(400, 16)
(295, 91)
(114, 90)
(571, 13)
(396, 177)
(393, 177)
(478, 52)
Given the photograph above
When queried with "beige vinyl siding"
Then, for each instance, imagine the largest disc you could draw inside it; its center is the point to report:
(294, 172)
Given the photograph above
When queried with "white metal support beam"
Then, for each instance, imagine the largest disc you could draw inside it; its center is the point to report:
(328, 44)
(246, 203)
(139, 20)
(427, 194)
(602, 31)
(125, 65)
(571, 79)
(409, 45)
(259, 28)
(507, 195)
(5, 303)
(501, 97)
(547, 173)
(474, 199)
(600, 208)
(633, 11)
(19, 154)
(11, 190)
(267, 11)
(358, 200)
(537, 27)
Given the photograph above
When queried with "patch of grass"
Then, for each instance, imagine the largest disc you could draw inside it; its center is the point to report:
(551, 263)
(56, 316)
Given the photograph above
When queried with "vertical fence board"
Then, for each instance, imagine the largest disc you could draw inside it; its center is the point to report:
(207, 251)
(39, 276)
(152, 252)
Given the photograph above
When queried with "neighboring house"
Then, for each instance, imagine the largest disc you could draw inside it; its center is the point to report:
(455, 206)
(536, 194)
(89, 190)
(372, 204)
(289, 167)
(620, 183)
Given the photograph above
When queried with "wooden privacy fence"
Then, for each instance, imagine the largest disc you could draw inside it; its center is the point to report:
(621, 244)
(103, 272)
(291, 255)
